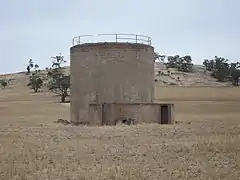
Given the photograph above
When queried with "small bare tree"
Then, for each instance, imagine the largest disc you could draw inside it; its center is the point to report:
(159, 57)
(58, 61)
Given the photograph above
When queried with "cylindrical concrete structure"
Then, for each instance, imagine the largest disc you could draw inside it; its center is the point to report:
(109, 73)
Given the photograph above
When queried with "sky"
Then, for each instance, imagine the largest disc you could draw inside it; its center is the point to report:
(41, 29)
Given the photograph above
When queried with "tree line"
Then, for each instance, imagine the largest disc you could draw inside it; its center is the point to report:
(183, 64)
(222, 70)
(57, 81)
(219, 67)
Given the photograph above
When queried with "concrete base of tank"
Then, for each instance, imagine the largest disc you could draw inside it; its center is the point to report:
(130, 113)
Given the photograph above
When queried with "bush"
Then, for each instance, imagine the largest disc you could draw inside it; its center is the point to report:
(35, 82)
(59, 83)
(3, 83)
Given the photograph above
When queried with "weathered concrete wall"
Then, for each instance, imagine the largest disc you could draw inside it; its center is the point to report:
(95, 114)
(108, 73)
(109, 113)
(141, 113)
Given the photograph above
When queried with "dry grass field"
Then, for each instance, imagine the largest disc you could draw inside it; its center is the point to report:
(204, 144)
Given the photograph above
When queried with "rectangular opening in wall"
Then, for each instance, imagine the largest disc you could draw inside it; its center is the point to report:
(164, 114)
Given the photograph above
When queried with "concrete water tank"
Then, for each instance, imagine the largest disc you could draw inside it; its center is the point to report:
(109, 72)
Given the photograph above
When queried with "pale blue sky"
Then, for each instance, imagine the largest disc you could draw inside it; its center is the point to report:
(40, 29)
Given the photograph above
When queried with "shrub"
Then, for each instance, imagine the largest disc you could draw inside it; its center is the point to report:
(35, 82)
(3, 83)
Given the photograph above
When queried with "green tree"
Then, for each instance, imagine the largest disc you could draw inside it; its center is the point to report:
(35, 82)
(185, 64)
(59, 83)
(36, 66)
(209, 64)
(234, 73)
(221, 68)
(4, 83)
(173, 61)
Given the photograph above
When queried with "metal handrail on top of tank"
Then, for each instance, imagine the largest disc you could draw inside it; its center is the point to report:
(77, 40)
(135, 38)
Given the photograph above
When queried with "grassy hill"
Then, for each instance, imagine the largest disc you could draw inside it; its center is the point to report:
(200, 77)
(170, 77)
(203, 144)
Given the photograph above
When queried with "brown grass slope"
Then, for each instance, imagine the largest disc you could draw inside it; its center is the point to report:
(205, 144)
(198, 78)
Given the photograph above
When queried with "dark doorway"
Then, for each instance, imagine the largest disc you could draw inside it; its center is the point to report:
(164, 114)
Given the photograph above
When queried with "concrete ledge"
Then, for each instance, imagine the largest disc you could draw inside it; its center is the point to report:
(137, 113)
(112, 45)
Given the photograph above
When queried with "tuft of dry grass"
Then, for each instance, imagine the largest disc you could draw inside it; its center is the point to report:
(204, 145)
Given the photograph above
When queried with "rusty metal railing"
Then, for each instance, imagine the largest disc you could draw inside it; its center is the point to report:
(127, 38)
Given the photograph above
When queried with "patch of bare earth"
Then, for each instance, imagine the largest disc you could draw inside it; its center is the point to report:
(205, 144)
